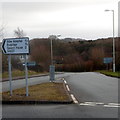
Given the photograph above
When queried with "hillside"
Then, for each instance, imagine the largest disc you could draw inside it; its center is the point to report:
(73, 54)
(79, 55)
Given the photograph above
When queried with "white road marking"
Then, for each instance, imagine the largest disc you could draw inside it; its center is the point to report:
(88, 103)
(72, 96)
(99, 103)
(65, 82)
(74, 99)
(67, 88)
(111, 106)
(115, 105)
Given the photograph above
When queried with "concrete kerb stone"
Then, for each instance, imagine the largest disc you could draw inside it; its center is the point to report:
(37, 102)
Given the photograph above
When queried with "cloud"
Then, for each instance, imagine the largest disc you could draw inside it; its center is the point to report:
(82, 19)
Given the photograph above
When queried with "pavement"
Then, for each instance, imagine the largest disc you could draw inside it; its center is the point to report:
(94, 95)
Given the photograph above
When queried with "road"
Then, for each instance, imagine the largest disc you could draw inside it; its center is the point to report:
(96, 94)
(31, 81)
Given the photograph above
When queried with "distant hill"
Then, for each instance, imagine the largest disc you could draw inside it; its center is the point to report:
(74, 54)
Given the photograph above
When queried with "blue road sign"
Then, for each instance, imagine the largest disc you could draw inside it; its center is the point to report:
(30, 64)
(108, 60)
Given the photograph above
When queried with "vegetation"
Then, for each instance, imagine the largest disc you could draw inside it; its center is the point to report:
(18, 73)
(19, 32)
(41, 92)
(76, 56)
(110, 73)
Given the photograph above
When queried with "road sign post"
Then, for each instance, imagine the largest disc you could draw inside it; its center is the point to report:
(26, 75)
(16, 46)
(10, 73)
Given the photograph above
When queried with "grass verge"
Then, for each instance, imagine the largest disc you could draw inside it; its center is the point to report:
(41, 92)
(18, 73)
(109, 73)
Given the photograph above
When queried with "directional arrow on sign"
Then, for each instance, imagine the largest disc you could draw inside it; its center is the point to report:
(3, 47)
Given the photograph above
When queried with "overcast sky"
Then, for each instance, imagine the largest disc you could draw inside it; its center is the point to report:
(70, 18)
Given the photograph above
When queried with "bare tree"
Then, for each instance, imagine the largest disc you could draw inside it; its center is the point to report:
(1, 31)
(2, 28)
(19, 33)
(97, 55)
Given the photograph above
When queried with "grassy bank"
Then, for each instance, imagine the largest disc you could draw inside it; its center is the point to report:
(110, 73)
(18, 73)
(41, 92)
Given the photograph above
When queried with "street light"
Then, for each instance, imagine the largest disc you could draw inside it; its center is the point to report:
(113, 40)
(52, 37)
(52, 67)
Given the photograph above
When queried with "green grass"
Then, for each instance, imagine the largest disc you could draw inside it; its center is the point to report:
(41, 92)
(18, 73)
(110, 73)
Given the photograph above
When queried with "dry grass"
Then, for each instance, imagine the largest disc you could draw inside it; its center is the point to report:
(18, 73)
(42, 92)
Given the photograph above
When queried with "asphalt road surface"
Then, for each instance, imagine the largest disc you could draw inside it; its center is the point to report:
(95, 96)
(31, 81)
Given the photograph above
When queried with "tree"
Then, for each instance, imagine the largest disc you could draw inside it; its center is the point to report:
(97, 55)
(40, 52)
(3, 58)
(117, 41)
(2, 29)
(19, 33)
(16, 62)
(1, 32)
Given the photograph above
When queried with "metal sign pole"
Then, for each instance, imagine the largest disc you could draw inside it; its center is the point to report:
(26, 75)
(10, 73)
(16, 46)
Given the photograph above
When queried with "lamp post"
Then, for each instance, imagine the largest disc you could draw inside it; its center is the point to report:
(52, 67)
(113, 40)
